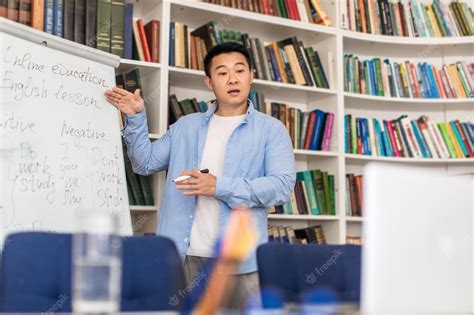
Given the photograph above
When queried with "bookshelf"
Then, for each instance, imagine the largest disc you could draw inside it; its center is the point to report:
(161, 80)
(189, 83)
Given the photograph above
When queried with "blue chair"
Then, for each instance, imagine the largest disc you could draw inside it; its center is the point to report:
(298, 273)
(36, 273)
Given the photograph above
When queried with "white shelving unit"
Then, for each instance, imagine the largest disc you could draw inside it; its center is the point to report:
(161, 80)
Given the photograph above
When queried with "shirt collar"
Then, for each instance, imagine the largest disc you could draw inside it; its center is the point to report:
(250, 111)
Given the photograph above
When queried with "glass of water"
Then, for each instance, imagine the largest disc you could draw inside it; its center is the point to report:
(96, 260)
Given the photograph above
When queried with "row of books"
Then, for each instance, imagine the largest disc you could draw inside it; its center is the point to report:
(102, 24)
(408, 80)
(286, 61)
(354, 198)
(130, 80)
(138, 186)
(309, 11)
(413, 18)
(353, 240)
(146, 40)
(184, 107)
(258, 101)
(314, 194)
(287, 234)
(404, 137)
(308, 130)
(181, 108)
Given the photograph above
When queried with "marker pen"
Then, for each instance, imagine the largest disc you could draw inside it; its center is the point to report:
(181, 178)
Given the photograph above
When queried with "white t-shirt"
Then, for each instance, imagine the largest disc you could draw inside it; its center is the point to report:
(206, 218)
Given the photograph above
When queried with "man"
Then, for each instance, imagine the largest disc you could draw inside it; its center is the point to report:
(248, 154)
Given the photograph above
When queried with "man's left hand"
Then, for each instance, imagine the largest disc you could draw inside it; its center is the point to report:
(200, 184)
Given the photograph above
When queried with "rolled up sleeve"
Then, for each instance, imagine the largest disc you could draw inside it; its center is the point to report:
(146, 157)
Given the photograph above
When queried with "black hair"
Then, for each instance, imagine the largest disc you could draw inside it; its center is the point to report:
(225, 48)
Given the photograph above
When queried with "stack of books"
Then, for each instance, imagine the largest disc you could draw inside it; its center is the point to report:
(314, 194)
(286, 61)
(102, 24)
(413, 18)
(408, 80)
(354, 197)
(403, 137)
(309, 11)
(286, 234)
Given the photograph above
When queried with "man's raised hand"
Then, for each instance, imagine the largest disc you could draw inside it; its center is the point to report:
(128, 103)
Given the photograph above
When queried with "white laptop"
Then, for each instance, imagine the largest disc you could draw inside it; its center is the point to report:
(418, 240)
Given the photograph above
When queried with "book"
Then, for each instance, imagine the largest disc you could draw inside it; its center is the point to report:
(58, 17)
(104, 11)
(91, 23)
(79, 14)
(138, 52)
(354, 201)
(37, 13)
(133, 181)
(143, 40)
(13, 9)
(152, 31)
(146, 190)
(117, 14)
(69, 18)
(128, 31)
(24, 12)
(48, 16)
(3, 8)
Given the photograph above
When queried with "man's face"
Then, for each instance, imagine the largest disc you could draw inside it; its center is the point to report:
(230, 79)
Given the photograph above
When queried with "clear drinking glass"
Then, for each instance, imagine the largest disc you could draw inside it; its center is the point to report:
(96, 259)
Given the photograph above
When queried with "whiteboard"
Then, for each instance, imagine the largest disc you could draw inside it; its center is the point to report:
(60, 150)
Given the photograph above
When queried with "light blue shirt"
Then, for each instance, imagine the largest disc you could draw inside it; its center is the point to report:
(259, 170)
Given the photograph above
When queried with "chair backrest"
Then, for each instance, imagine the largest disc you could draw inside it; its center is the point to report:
(152, 274)
(35, 273)
(293, 270)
